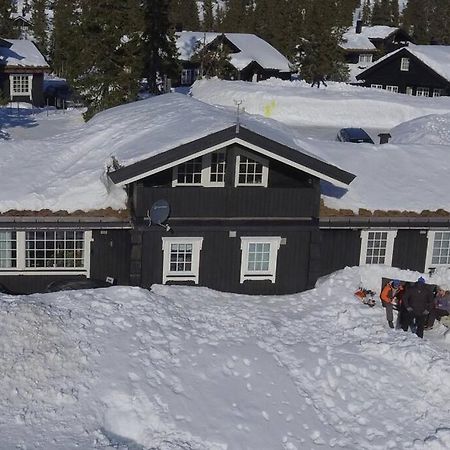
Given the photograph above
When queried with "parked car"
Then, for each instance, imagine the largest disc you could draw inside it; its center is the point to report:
(356, 135)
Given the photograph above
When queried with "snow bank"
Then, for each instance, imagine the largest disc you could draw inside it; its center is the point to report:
(431, 129)
(338, 105)
(183, 367)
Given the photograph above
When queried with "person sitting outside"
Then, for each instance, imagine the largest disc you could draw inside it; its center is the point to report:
(390, 295)
(418, 301)
(441, 306)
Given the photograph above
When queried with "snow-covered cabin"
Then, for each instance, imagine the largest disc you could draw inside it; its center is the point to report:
(241, 205)
(422, 70)
(252, 58)
(22, 69)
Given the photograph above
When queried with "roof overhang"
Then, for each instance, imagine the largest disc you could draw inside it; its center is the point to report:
(229, 136)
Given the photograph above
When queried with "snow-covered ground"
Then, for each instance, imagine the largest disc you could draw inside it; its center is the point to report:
(190, 368)
(337, 105)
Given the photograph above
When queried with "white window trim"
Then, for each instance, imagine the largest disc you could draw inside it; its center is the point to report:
(365, 58)
(192, 275)
(429, 256)
(437, 92)
(404, 64)
(265, 169)
(424, 90)
(270, 274)
(392, 88)
(392, 234)
(13, 93)
(205, 174)
(376, 86)
(21, 268)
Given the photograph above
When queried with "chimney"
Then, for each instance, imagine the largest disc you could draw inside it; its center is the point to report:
(384, 138)
(358, 26)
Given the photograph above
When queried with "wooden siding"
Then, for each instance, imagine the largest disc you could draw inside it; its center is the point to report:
(231, 202)
(220, 259)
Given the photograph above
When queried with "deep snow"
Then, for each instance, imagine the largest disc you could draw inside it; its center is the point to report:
(191, 368)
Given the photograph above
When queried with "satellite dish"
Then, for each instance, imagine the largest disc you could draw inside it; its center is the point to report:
(159, 213)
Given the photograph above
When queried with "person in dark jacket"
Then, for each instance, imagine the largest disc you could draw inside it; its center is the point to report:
(441, 306)
(417, 301)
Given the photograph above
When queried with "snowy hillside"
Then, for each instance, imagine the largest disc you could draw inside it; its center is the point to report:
(189, 368)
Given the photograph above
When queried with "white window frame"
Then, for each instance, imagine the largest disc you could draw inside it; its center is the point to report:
(376, 86)
(409, 90)
(271, 273)
(404, 64)
(365, 58)
(22, 269)
(431, 235)
(391, 235)
(13, 92)
(437, 92)
(391, 88)
(205, 177)
(173, 275)
(422, 92)
(265, 169)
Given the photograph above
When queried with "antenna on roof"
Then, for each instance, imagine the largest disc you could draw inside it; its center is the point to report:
(238, 103)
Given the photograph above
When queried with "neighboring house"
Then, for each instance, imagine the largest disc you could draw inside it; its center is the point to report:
(252, 209)
(363, 45)
(252, 58)
(22, 23)
(22, 69)
(421, 70)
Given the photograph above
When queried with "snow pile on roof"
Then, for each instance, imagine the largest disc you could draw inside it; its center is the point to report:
(22, 53)
(183, 367)
(353, 41)
(432, 129)
(341, 105)
(252, 48)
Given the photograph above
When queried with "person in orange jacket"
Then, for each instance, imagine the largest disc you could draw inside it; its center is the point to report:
(390, 296)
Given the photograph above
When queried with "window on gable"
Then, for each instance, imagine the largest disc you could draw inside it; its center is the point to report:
(190, 172)
(404, 64)
(217, 167)
(422, 92)
(181, 259)
(259, 257)
(8, 249)
(251, 170)
(58, 251)
(438, 250)
(20, 84)
(377, 247)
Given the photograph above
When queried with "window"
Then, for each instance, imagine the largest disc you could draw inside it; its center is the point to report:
(259, 257)
(251, 170)
(365, 58)
(207, 170)
(391, 88)
(437, 92)
(20, 84)
(376, 86)
(438, 250)
(8, 250)
(409, 90)
(422, 92)
(45, 251)
(404, 64)
(181, 259)
(377, 247)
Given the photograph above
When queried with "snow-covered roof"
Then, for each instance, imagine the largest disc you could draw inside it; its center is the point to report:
(252, 48)
(362, 41)
(21, 53)
(437, 57)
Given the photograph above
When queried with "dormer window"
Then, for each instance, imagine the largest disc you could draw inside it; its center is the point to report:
(404, 64)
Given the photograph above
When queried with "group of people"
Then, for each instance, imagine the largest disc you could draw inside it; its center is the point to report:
(418, 305)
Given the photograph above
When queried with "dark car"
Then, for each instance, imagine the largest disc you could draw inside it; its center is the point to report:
(356, 135)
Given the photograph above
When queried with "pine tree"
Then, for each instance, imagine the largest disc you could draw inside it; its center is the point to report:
(395, 13)
(158, 43)
(381, 13)
(7, 29)
(40, 25)
(237, 16)
(184, 14)
(367, 13)
(416, 20)
(110, 63)
(208, 16)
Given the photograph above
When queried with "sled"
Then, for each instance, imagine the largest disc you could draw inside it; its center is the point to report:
(366, 296)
